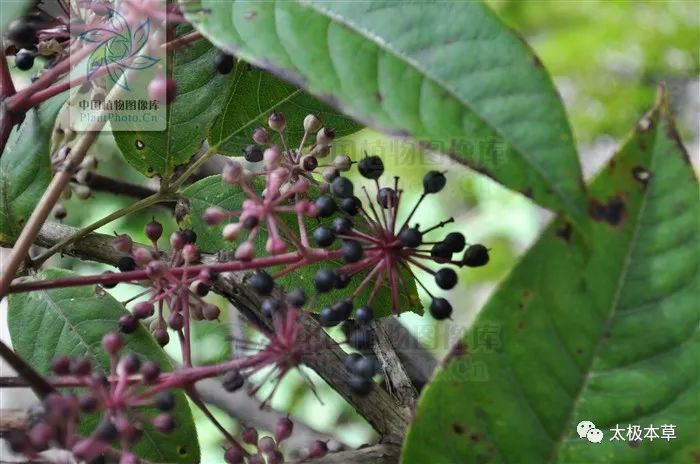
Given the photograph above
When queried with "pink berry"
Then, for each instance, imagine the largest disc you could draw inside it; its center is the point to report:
(283, 429)
(213, 216)
(190, 253)
(249, 435)
(162, 89)
(317, 449)
(142, 310)
(142, 256)
(211, 312)
(234, 456)
(112, 342)
(123, 243)
(164, 423)
(266, 445)
(153, 230)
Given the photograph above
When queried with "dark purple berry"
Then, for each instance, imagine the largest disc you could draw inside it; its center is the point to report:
(327, 317)
(440, 308)
(164, 400)
(176, 321)
(262, 283)
(271, 306)
(40, 435)
(308, 163)
(223, 63)
(324, 280)
(352, 251)
(150, 372)
(161, 336)
(446, 278)
(232, 381)
(153, 230)
(142, 310)
(342, 280)
(112, 342)
(80, 366)
(475, 256)
(350, 205)
(61, 365)
(386, 197)
(87, 402)
(324, 236)
(283, 429)
(455, 242)
(18, 440)
(317, 449)
(296, 297)
(123, 243)
(360, 385)
(106, 431)
(433, 182)
(342, 187)
(234, 455)
(411, 237)
(342, 309)
(253, 153)
(360, 338)
(126, 264)
(128, 323)
(109, 284)
(189, 236)
(364, 315)
(371, 167)
(326, 206)
(266, 445)
(250, 436)
(130, 364)
(342, 225)
(350, 360)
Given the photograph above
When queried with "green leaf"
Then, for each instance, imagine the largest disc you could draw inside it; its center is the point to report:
(211, 191)
(609, 337)
(25, 167)
(189, 116)
(253, 95)
(449, 75)
(72, 321)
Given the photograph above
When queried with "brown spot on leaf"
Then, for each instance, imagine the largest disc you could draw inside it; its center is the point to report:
(564, 232)
(695, 456)
(378, 96)
(607, 335)
(536, 61)
(642, 144)
(634, 443)
(579, 350)
(458, 429)
(458, 350)
(474, 437)
(521, 325)
(612, 212)
(641, 175)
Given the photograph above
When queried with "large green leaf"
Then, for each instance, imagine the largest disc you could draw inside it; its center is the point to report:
(189, 116)
(25, 168)
(72, 321)
(449, 75)
(211, 191)
(253, 96)
(609, 337)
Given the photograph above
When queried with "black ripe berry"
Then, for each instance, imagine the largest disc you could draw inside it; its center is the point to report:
(223, 63)
(271, 306)
(342, 280)
(350, 205)
(130, 364)
(24, 60)
(342, 309)
(360, 338)
(360, 385)
(22, 33)
(232, 381)
(446, 278)
(111, 284)
(364, 315)
(61, 365)
(253, 153)
(126, 263)
(386, 197)
(262, 283)
(371, 167)
(350, 360)
(352, 251)
(440, 308)
(324, 280)
(475, 256)
(441, 252)
(327, 317)
(80, 366)
(364, 367)
(150, 372)
(296, 297)
(342, 187)
(324, 236)
(189, 235)
(433, 182)
(164, 400)
(326, 206)
(411, 237)
(455, 242)
(106, 431)
(342, 225)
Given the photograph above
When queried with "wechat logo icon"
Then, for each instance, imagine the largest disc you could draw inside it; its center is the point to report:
(588, 430)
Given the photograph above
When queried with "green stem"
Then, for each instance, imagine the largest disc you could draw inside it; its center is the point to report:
(139, 205)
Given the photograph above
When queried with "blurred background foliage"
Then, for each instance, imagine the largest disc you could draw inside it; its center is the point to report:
(606, 59)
